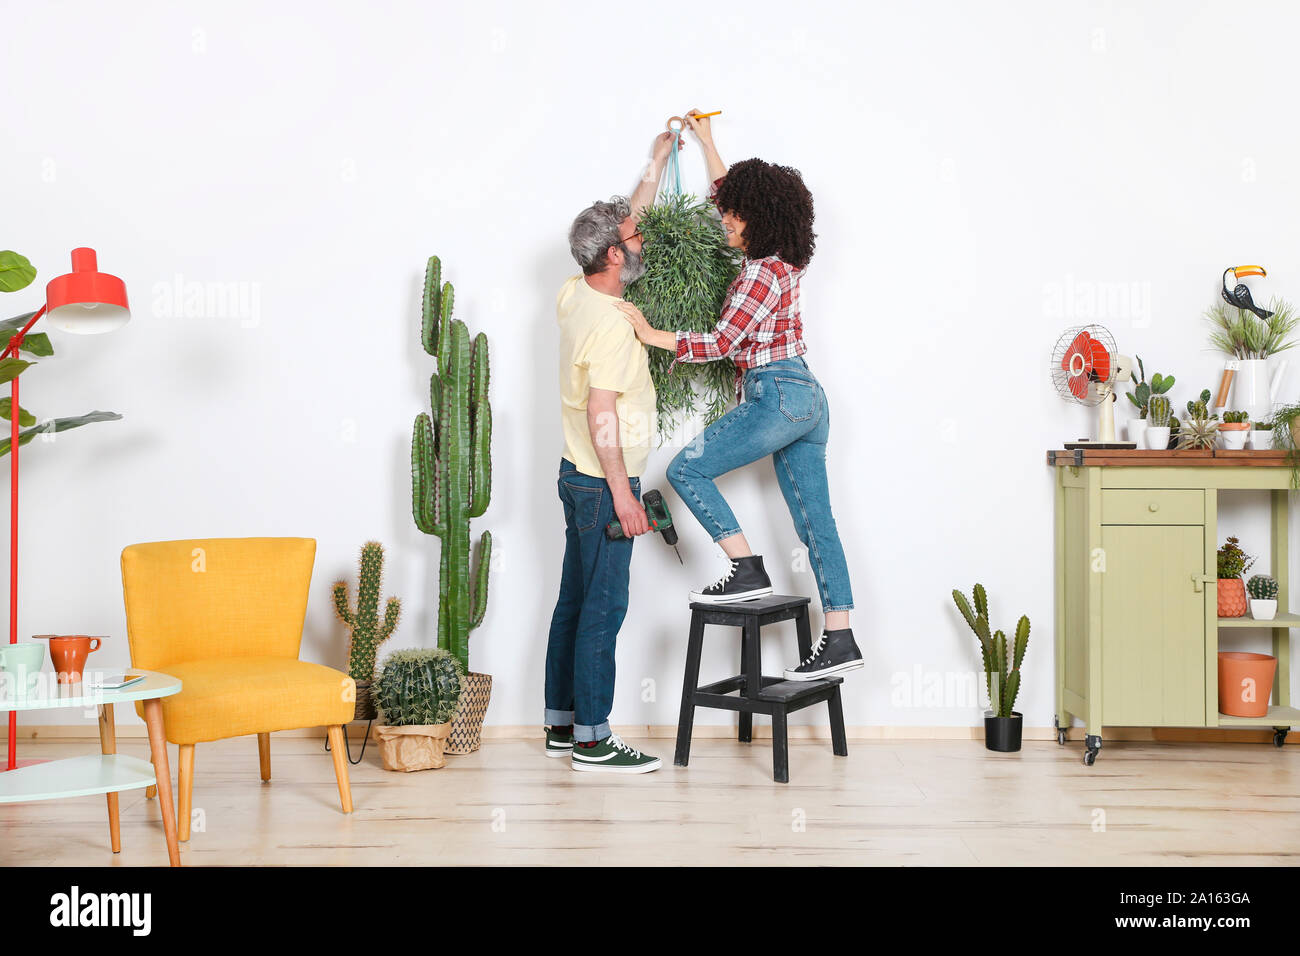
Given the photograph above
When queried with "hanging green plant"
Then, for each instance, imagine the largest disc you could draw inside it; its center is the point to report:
(688, 267)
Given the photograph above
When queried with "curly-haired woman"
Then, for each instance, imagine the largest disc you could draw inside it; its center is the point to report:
(767, 212)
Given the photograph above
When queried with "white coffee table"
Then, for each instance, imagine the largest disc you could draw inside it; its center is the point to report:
(107, 772)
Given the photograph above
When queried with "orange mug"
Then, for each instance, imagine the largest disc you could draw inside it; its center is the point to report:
(68, 653)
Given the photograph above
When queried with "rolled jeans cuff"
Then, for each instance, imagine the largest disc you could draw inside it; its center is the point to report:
(585, 734)
(558, 718)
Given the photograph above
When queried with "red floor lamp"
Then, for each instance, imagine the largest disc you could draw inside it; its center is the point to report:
(85, 301)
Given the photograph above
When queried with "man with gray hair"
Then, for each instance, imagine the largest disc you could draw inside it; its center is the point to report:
(607, 407)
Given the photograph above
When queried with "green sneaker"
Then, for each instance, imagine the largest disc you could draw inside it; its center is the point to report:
(558, 745)
(611, 755)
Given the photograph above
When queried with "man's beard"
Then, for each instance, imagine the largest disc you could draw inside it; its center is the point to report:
(633, 266)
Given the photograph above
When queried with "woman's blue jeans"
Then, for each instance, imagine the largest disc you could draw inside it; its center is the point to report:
(590, 608)
(784, 415)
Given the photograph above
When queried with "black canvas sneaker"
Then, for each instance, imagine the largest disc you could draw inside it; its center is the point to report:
(745, 580)
(834, 653)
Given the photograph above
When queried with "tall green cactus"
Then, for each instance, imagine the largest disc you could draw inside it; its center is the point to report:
(451, 464)
(1001, 673)
(368, 631)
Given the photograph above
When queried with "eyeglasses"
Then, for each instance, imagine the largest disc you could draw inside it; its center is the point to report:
(635, 235)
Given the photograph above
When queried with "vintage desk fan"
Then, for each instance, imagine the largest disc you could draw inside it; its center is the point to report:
(1085, 369)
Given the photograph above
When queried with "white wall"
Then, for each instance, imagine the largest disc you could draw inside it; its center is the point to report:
(970, 162)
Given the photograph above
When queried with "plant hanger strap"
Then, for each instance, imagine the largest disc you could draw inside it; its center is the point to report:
(671, 183)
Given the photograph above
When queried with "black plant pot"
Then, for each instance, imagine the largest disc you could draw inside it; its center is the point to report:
(1003, 733)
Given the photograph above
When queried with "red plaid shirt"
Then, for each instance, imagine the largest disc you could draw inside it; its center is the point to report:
(760, 320)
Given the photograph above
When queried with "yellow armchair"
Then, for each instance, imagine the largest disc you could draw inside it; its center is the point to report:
(225, 616)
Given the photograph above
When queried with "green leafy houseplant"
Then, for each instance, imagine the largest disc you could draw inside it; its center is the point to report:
(418, 687)
(1233, 562)
(1001, 670)
(688, 267)
(368, 630)
(1244, 335)
(16, 273)
(1143, 393)
(1284, 424)
(451, 463)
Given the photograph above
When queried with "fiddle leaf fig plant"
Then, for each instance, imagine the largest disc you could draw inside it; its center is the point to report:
(16, 273)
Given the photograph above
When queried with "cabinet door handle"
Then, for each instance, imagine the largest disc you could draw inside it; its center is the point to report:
(1199, 579)
(1154, 506)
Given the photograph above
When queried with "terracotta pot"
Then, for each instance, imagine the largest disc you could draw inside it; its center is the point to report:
(467, 722)
(68, 654)
(1245, 682)
(1232, 597)
(417, 747)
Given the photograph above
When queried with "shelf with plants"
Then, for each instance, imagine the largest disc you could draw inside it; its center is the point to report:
(1277, 716)
(1283, 620)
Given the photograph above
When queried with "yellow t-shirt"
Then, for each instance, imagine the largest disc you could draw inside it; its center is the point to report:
(598, 349)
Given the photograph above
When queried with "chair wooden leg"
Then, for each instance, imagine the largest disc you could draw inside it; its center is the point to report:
(264, 754)
(163, 775)
(339, 750)
(108, 745)
(186, 787)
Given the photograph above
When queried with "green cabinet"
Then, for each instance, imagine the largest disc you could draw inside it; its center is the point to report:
(1153, 626)
(1137, 631)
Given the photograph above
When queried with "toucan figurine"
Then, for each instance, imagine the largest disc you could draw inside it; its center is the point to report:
(1240, 296)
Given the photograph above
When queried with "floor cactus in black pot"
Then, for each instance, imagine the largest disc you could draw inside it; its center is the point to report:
(1002, 725)
(451, 482)
(368, 630)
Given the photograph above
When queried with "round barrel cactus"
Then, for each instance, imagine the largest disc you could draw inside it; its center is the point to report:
(1262, 587)
(417, 687)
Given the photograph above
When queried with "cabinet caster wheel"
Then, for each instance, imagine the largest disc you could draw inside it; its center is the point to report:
(1092, 744)
(1089, 758)
(1279, 736)
(1060, 737)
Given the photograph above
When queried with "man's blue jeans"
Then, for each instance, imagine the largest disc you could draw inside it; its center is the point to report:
(590, 610)
(784, 415)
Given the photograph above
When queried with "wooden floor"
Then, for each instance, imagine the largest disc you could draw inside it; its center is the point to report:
(913, 803)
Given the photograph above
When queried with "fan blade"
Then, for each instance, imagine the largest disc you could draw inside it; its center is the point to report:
(1077, 346)
(1078, 386)
(1099, 360)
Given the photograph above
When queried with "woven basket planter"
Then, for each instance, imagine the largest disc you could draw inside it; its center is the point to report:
(467, 722)
(365, 706)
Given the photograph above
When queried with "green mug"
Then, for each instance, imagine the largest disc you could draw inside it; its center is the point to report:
(19, 663)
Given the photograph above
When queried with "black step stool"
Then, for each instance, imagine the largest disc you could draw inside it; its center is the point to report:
(758, 694)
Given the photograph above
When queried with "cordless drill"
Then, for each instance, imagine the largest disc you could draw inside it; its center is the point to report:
(656, 512)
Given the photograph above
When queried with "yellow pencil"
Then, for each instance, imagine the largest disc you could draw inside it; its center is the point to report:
(704, 115)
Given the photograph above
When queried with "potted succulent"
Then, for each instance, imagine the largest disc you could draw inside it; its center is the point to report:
(1250, 341)
(1002, 725)
(1200, 429)
(1233, 563)
(1233, 430)
(1262, 589)
(1141, 397)
(1157, 430)
(417, 692)
(368, 631)
(1261, 435)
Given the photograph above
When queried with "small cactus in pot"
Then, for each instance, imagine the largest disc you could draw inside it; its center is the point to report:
(417, 691)
(1262, 589)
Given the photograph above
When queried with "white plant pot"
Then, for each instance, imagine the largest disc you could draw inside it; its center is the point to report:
(1254, 389)
(1261, 439)
(1157, 438)
(1136, 430)
(1233, 438)
(1263, 610)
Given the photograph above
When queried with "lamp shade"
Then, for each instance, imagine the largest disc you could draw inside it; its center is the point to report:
(86, 301)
